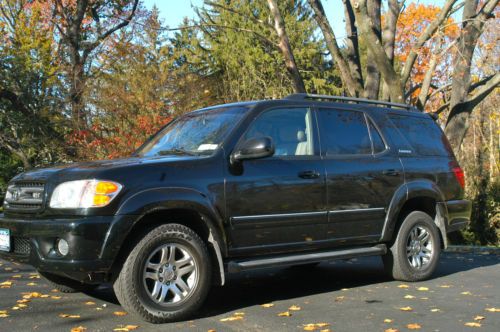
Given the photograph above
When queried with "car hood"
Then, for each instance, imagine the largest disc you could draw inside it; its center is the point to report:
(90, 169)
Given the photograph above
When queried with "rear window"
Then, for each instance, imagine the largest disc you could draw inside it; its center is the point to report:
(423, 134)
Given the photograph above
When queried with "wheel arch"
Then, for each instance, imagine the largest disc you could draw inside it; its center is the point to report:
(159, 206)
(419, 195)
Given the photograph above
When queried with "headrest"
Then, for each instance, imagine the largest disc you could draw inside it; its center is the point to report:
(301, 136)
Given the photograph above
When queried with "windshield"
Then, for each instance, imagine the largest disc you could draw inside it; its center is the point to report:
(196, 133)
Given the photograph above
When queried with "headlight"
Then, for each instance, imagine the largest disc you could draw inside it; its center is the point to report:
(84, 194)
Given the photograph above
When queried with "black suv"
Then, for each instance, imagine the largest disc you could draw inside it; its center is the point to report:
(242, 186)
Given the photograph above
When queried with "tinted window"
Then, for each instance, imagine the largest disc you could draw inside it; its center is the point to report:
(290, 130)
(378, 142)
(423, 134)
(344, 132)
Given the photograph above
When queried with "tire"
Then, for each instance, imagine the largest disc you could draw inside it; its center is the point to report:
(305, 266)
(415, 252)
(66, 285)
(150, 284)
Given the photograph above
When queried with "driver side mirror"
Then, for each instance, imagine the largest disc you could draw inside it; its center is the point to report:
(254, 148)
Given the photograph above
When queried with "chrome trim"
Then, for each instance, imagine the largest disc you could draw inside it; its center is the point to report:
(357, 210)
(279, 215)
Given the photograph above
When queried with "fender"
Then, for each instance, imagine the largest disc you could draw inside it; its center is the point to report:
(166, 198)
(407, 191)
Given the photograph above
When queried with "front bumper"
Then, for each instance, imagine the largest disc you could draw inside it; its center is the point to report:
(459, 212)
(93, 244)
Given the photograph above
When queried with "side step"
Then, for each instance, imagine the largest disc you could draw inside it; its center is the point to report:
(295, 259)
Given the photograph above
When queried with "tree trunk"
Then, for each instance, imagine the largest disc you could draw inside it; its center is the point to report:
(286, 49)
(389, 37)
(352, 43)
(372, 81)
(353, 85)
(460, 105)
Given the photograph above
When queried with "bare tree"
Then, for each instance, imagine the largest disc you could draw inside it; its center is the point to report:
(80, 42)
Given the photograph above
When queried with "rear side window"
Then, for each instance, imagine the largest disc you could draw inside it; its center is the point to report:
(344, 132)
(423, 134)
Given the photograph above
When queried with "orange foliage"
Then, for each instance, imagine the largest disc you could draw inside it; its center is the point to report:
(411, 24)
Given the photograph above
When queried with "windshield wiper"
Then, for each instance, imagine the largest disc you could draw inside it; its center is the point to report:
(176, 151)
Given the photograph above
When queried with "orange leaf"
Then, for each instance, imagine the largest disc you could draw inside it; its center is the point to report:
(294, 308)
(406, 309)
(267, 305)
(391, 330)
(78, 329)
(414, 326)
(120, 313)
(472, 324)
(285, 314)
(479, 318)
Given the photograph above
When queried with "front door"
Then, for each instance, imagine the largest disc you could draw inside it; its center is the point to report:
(279, 203)
(362, 175)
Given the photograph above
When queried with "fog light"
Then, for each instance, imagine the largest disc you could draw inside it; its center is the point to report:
(62, 247)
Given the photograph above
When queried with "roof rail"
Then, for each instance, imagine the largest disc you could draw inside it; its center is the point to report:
(305, 96)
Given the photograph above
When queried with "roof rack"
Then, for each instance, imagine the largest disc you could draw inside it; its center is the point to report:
(305, 96)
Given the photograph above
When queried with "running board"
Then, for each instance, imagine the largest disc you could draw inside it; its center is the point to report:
(296, 259)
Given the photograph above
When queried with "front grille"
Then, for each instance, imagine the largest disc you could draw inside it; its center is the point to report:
(25, 196)
(21, 245)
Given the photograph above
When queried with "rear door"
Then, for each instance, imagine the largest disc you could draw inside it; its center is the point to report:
(362, 174)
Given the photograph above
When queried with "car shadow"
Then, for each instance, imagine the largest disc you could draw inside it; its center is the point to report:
(269, 285)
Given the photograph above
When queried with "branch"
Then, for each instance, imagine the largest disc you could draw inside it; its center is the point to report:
(484, 91)
(425, 36)
(125, 21)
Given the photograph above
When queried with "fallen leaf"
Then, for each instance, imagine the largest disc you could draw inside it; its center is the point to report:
(17, 276)
(409, 296)
(44, 296)
(132, 327)
(294, 308)
(344, 289)
(435, 310)
(211, 330)
(32, 295)
(391, 330)
(23, 301)
(4, 315)
(423, 289)
(406, 309)
(239, 314)
(55, 297)
(89, 303)
(466, 293)
(68, 316)
(315, 326)
(445, 286)
(339, 298)
(34, 276)
(285, 314)
(120, 313)
(479, 318)
(99, 309)
(472, 324)
(414, 326)
(31, 284)
(493, 309)
(6, 283)
(78, 329)
(387, 320)
(424, 298)
(267, 305)
(403, 286)
(15, 308)
(22, 305)
(232, 318)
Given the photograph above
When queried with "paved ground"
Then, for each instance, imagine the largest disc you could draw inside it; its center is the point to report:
(348, 296)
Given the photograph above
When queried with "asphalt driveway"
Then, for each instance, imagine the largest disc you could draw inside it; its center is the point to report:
(335, 296)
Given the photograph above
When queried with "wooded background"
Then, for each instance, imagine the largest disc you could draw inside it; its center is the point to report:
(92, 79)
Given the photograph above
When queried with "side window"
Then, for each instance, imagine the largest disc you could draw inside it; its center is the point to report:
(423, 134)
(344, 132)
(290, 129)
(378, 142)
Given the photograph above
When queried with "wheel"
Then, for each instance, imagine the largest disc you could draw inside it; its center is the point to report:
(415, 252)
(66, 285)
(166, 277)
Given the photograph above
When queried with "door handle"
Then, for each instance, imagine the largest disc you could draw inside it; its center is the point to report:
(309, 174)
(391, 172)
